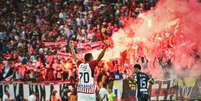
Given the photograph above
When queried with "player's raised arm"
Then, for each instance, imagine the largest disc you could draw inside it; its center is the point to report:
(73, 53)
(102, 53)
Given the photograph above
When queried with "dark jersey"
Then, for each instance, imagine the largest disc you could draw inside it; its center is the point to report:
(142, 80)
(129, 88)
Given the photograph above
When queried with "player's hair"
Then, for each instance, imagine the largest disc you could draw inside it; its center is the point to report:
(137, 66)
(87, 56)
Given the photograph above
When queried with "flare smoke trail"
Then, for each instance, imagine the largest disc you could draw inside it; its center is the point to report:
(171, 29)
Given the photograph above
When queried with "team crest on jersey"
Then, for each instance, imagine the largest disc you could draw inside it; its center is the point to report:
(83, 67)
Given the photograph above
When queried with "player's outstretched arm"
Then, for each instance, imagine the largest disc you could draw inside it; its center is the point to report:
(151, 81)
(102, 53)
(73, 53)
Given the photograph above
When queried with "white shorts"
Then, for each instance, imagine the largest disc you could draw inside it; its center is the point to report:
(86, 97)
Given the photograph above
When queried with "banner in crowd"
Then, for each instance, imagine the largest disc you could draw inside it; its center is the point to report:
(61, 44)
(80, 46)
(21, 91)
(183, 89)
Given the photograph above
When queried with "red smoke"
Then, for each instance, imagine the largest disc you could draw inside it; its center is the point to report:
(171, 29)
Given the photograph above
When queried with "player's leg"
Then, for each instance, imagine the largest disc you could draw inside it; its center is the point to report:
(144, 97)
(139, 98)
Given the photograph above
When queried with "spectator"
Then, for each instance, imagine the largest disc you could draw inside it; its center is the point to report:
(17, 74)
(6, 96)
(143, 61)
(103, 93)
(32, 76)
(111, 95)
(50, 74)
(129, 88)
(54, 96)
(65, 94)
(32, 97)
(7, 72)
(26, 25)
(73, 94)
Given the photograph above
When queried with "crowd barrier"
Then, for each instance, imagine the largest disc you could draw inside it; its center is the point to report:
(182, 89)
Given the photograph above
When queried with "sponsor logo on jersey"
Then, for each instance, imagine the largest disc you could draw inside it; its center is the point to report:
(86, 88)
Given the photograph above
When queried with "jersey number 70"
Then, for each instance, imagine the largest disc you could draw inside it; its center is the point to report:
(84, 76)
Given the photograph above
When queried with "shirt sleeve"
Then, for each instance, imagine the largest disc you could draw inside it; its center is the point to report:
(78, 63)
(135, 77)
(93, 64)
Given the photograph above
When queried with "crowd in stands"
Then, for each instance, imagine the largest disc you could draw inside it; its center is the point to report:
(27, 24)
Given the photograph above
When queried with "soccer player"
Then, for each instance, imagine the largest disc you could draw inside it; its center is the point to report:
(86, 88)
(142, 81)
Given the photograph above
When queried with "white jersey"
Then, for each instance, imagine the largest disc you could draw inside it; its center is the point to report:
(85, 74)
(86, 87)
(103, 94)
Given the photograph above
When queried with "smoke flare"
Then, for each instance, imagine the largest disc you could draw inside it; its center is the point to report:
(170, 30)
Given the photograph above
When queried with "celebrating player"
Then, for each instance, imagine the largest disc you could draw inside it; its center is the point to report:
(142, 81)
(86, 89)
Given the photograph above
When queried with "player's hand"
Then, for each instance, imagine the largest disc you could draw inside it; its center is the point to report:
(106, 44)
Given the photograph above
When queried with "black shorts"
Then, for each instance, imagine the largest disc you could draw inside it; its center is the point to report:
(143, 97)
